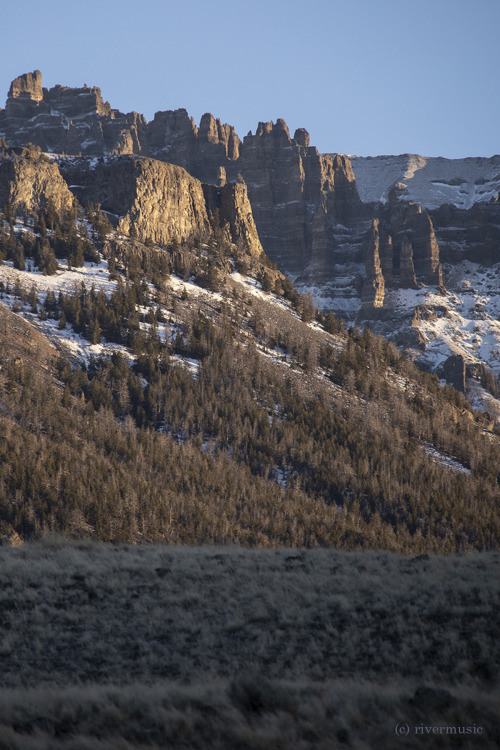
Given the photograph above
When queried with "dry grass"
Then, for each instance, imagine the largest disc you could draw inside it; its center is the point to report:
(115, 646)
(245, 714)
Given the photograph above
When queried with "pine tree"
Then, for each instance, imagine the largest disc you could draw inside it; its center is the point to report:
(33, 300)
(331, 325)
(51, 217)
(307, 313)
(95, 335)
(18, 258)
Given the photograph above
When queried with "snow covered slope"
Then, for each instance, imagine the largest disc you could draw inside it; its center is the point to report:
(463, 320)
(429, 181)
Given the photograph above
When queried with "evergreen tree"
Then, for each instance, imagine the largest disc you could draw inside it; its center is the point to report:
(33, 299)
(307, 307)
(95, 333)
(18, 257)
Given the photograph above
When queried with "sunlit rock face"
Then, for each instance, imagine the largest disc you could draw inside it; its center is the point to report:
(29, 180)
(160, 202)
(367, 235)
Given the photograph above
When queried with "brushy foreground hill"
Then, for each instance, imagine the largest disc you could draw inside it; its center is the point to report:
(155, 646)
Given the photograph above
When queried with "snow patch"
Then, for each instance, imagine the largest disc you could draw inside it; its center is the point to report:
(445, 461)
(429, 181)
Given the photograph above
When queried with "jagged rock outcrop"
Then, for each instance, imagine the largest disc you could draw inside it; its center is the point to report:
(401, 252)
(203, 151)
(28, 180)
(305, 206)
(373, 290)
(415, 249)
(68, 120)
(232, 203)
(298, 197)
(159, 202)
(23, 90)
(307, 211)
(461, 197)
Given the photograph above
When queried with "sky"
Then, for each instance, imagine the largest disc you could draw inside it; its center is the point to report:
(364, 77)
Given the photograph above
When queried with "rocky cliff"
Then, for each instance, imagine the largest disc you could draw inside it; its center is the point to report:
(206, 151)
(156, 201)
(160, 202)
(28, 180)
(67, 120)
(303, 206)
(374, 239)
(233, 206)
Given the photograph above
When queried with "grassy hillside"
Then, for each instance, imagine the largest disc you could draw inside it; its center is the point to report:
(157, 646)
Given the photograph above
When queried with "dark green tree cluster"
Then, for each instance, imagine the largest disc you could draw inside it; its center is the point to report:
(53, 237)
(92, 314)
(100, 222)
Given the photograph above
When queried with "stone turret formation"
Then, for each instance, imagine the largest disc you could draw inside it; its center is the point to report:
(67, 120)
(270, 188)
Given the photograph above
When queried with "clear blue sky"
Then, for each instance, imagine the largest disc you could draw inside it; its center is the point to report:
(365, 77)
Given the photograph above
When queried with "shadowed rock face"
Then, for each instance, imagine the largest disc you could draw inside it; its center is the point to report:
(204, 151)
(401, 252)
(472, 234)
(297, 196)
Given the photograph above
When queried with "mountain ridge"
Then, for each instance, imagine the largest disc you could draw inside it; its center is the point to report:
(360, 233)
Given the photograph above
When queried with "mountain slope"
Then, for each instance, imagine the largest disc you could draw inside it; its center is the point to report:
(199, 398)
(360, 233)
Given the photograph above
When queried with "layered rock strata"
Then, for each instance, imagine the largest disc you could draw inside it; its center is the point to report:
(472, 234)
